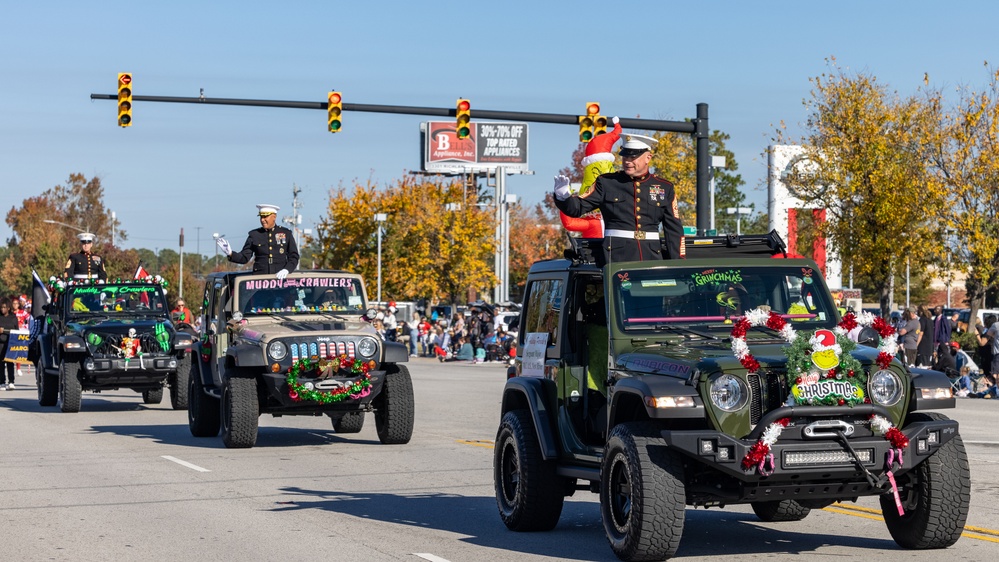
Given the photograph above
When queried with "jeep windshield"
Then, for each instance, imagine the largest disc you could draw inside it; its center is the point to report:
(653, 299)
(116, 299)
(300, 295)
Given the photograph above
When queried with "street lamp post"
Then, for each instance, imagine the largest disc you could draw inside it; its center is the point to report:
(380, 218)
(739, 212)
(215, 263)
(716, 162)
(76, 228)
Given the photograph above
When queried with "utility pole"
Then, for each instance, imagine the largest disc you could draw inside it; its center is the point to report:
(295, 219)
(198, 244)
(180, 289)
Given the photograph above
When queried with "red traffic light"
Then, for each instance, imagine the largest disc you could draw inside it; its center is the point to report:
(334, 97)
(592, 108)
(125, 78)
(463, 105)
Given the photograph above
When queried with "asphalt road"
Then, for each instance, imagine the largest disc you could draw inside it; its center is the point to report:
(124, 481)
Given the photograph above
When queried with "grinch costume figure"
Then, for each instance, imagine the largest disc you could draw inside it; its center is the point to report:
(598, 159)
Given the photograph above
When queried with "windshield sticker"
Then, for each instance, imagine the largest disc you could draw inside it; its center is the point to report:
(354, 300)
(713, 276)
(658, 282)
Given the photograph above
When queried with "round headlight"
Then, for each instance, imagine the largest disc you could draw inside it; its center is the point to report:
(367, 347)
(277, 350)
(885, 388)
(729, 393)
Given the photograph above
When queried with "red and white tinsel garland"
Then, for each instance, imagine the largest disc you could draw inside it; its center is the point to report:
(888, 347)
(757, 317)
(759, 455)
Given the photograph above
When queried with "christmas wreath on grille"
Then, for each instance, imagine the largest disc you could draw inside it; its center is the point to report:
(356, 387)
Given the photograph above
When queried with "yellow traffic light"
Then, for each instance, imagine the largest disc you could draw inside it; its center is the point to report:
(463, 121)
(125, 99)
(599, 125)
(334, 110)
(585, 128)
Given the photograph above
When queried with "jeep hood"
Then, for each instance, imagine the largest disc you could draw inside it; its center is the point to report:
(682, 359)
(118, 326)
(275, 327)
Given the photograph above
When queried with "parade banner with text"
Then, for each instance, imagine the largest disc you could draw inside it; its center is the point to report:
(488, 146)
(17, 349)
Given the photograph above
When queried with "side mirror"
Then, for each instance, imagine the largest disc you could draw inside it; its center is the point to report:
(868, 336)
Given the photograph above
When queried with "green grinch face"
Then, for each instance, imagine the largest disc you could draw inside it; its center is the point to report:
(591, 172)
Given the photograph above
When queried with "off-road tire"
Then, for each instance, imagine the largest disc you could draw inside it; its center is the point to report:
(394, 407)
(179, 384)
(240, 412)
(350, 422)
(204, 415)
(48, 386)
(783, 510)
(152, 396)
(642, 496)
(529, 493)
(70, 388)
(935, 497)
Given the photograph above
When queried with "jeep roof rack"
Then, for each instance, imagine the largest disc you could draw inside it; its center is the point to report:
(582, 250)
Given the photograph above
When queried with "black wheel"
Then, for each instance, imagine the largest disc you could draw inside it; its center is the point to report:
(70, 388)
(180, 384)
(48, 387)
(783, 510)
(529, 494)
(351, 422)
(394, 407)
(642, 496)
(154, 396)
(935, 497)
(204, 416)
(240, 412)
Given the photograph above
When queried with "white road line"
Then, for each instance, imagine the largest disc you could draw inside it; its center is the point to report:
(430, 557)
(185, 463)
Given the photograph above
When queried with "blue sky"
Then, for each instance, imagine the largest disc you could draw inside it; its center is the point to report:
(186, 166)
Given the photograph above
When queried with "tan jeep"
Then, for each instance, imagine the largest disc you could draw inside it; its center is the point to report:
(299, 346)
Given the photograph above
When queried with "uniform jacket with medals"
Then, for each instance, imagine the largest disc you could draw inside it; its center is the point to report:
(85, 265)
(632, 205)
(271, 250)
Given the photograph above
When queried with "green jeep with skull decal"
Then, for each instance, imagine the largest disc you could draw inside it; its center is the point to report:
(729, 377)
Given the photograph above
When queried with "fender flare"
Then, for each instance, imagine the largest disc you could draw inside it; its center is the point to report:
(530, 392)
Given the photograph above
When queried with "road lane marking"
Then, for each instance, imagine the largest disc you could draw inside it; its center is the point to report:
(430, 557)
(476, 443)
(979, 533)
(185, 463)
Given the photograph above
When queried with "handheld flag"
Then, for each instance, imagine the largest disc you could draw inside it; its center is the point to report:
(40, 297)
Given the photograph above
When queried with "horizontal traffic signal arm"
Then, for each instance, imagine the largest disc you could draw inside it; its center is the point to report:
(568, 119)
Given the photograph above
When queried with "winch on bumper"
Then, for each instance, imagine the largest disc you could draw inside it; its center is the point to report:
(817, 445)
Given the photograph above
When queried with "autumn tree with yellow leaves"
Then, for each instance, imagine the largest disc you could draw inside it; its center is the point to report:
(967, 163)
(868, 151)
(430, 249)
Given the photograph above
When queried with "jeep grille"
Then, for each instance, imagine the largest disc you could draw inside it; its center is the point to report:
(301, 349)
(768, 390)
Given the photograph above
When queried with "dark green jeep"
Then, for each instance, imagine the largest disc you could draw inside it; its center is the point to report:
(725, 378)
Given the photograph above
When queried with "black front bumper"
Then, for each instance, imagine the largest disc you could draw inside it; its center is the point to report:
(798, 459)
(279, 402)
(115, 372)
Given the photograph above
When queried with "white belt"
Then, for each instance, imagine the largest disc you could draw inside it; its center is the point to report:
(84, 276)
(636, 234)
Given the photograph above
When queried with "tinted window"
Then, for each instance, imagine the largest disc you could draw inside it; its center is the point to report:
(543, 309)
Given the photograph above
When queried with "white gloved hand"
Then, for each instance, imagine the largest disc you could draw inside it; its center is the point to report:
(615, 120)
(282, 274)
(562, 187)
(224, 246)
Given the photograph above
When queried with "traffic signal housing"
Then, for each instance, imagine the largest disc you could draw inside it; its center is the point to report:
(125, 99)
(599, 125)
(463, 118)
(588, 122)
(334, 109)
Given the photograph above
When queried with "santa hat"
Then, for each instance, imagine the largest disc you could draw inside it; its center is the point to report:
(823, 340)
(600, 148)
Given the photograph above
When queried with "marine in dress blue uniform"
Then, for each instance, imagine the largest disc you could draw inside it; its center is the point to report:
(634, 203)
(84, 264)
(272, 248)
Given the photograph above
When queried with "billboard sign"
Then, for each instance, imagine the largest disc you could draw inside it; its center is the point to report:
(488, 146)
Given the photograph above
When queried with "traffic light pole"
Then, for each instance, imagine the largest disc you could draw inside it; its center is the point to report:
(698, 127)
